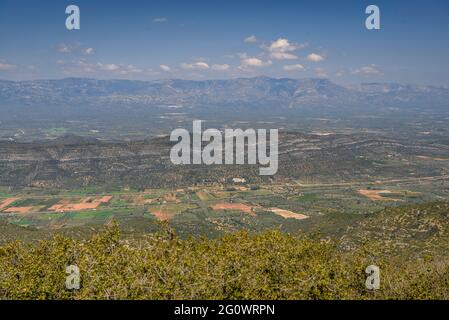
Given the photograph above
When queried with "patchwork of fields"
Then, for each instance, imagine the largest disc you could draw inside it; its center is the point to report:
(212, 209)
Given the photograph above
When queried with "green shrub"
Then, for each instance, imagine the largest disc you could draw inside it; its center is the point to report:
(269, 265)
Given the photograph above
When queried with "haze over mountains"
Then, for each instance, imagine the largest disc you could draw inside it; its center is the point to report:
(262, 91)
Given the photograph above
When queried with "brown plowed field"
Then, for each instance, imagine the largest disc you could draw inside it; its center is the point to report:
(85, 204)
(7, 202)
(233, 206)
(19, 209)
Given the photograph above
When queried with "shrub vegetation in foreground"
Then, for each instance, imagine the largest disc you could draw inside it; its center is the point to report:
(269, 265)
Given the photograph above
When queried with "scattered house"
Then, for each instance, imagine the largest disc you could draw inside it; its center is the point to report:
(238, 180)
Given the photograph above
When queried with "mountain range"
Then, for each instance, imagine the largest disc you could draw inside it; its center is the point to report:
(288, 93)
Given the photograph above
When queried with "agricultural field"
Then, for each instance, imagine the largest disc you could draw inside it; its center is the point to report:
(213, 210)
(327, 179)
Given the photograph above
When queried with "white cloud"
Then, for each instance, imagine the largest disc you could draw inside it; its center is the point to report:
(109, 66)
(368, 70)
(250, 39)
(129, 69)
(283, 56)
(321, 73)
(293, 67)
(119, 68)
(200, 65)
(66, 48)
(69, 48)
(255, 62)
(282, 49)
(314, 57)
(248, 61)
(82, 66)
(160, 20)
(165, 68)
(220, 67)
(89, 51)
(281, 45)
(7, 66)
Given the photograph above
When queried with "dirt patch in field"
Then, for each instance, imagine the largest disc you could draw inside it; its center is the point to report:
(233, 206)
(288, 214)
(168, 211)
(202, 195)
(143, 199)
(162, 215)
(21, 210)
(376, 195)
(139, 200)
(105, 199)
(432, 158)
(7, 202)
(85, 204)
(220, 194)
(171, 197)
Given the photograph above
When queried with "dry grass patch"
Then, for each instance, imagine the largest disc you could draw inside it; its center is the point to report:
(171, 197)
(169, 211)
(233, 206)
(288, 214)
(377, 195)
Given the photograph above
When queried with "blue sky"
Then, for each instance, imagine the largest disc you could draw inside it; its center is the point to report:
(226, 39)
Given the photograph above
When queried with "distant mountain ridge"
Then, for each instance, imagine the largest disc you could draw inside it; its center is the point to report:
(291, 93)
